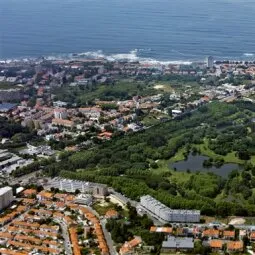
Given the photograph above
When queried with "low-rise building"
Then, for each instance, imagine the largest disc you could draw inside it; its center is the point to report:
(235, 246)
(216, 245)
(128, 247)
(174, 244)
(212, 233)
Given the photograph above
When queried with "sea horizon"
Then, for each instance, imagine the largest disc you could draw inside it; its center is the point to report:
(186, 31)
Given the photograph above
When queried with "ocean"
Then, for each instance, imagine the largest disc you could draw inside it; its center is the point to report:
(162, 30)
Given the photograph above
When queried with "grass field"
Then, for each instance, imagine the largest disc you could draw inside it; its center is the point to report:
(229, 158)
(163, 167)
(150, 120)
(103, 208)
(7, 85)
(182, 177)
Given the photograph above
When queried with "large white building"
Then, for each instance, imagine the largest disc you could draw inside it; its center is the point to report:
(6, 197)
(209, 62)
(164, 213)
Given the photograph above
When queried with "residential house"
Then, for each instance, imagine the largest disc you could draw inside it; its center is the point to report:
(62, 122)
(235, 246)
(212, 233)
(252, 236)
(128, 247)
(174, 244)
(111, 214)
(216, 245)
(44, 195)
(166, 230)
(227, 234)
(29, 192)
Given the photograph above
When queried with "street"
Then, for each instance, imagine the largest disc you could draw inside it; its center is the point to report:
(67, 242)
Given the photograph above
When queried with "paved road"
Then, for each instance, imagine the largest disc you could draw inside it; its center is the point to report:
(108, 238)
(67, 242)
(123, 198)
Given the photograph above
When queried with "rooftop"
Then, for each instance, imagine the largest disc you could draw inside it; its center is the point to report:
(4, 190)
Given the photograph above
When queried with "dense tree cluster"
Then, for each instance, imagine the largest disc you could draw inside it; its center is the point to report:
(123, 230)
(129, 163)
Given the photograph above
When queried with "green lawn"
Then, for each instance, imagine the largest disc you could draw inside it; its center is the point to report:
(7, 85)
(102, 209)
(150, 120)
(229, 158)
(176, 176)
(178, 156)
(121, 89)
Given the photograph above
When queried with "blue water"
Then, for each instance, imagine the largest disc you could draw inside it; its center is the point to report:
(158, 29)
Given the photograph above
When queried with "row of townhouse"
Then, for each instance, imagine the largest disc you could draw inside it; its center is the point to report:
(10, 216)
(17, 240)
(231, 246)
(28, 230)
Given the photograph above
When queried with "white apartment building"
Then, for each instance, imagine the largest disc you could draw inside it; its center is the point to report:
(6, 197)
(164, 213)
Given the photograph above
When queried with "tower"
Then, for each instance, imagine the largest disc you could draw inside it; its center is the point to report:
(209, 62)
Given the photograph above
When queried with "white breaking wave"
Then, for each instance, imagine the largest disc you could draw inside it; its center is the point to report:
(248, 54)
(132, 56)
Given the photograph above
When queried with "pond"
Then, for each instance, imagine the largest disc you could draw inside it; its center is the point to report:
(195, 163)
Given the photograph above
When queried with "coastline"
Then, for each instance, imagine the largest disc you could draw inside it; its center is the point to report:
(132, 56)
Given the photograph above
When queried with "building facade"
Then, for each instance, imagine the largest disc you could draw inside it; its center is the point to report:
(6, 197)
(9, 95)
(166, 214)
(209, 62)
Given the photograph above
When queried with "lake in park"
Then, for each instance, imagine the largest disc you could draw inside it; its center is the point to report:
(195, 163)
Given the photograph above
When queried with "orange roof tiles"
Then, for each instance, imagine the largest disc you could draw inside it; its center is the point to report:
(60, 195)
(68, 220)
(58, 215)
(128, 246)
(111, 213)
(30, 247)
(21, 208)
(216, 244)
(28, 201)
(153, 229)
(50, 242)
(13, 214)
(211, 232)
(4, 219)
(26, 224)
(98, 229)
(70, 198)
(27, 238)
(48, 203)
(134, 242)
(31, 217)
(5, 235)
(74, 241)
(252, 235)
(49, 228)
(161, 229)
(12, 252)
(227, 233)
(29, 192)
(60, 204)
(45, 194)
(235, 245)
